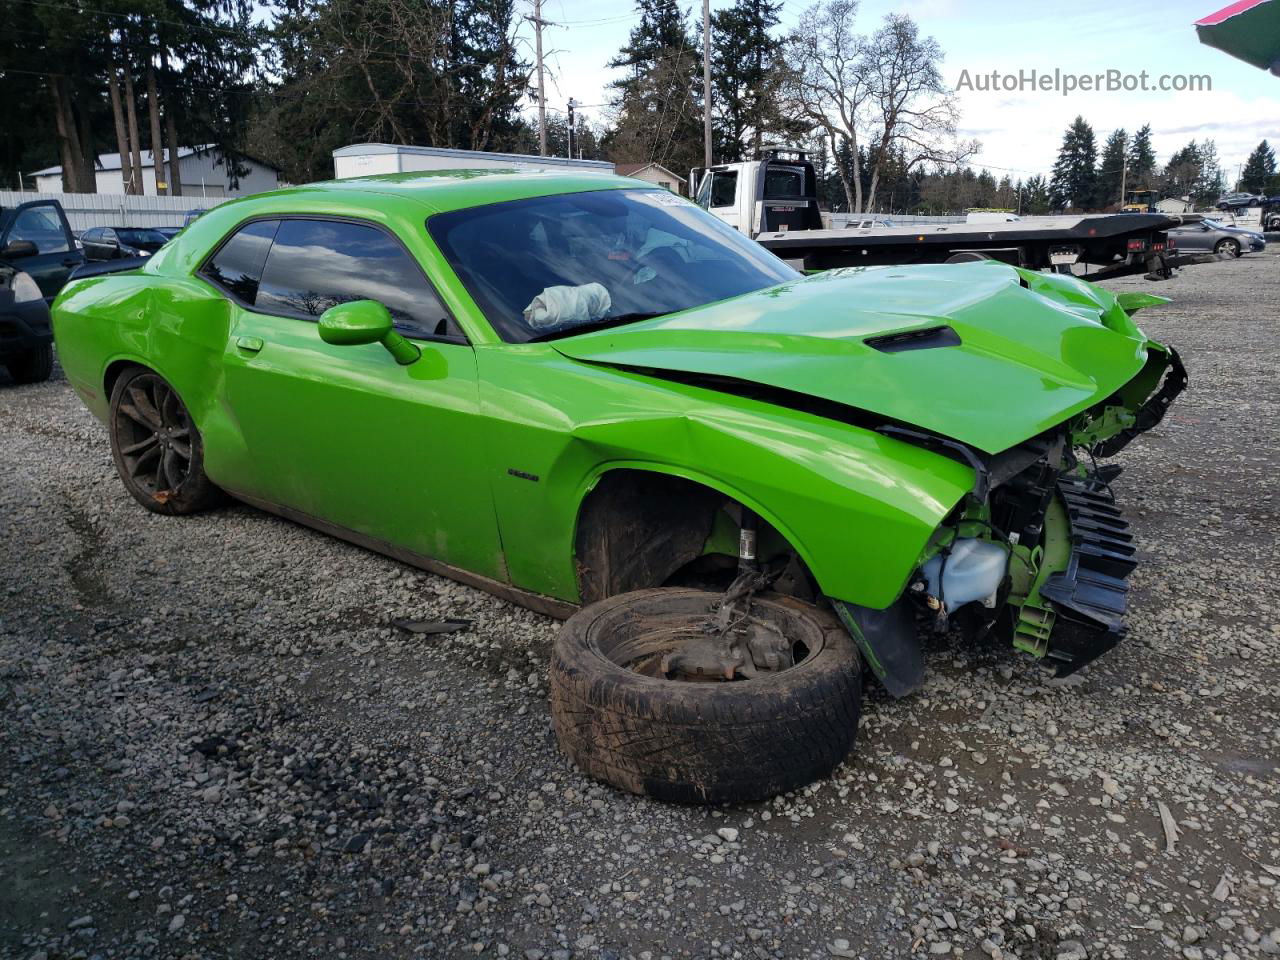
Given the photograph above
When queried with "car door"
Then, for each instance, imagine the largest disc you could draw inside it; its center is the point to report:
(96, 244)
(109, 245)
(42, 223)
(1199, 236)
(389, 453)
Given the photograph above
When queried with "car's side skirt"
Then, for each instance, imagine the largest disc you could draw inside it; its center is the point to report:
(537, 602)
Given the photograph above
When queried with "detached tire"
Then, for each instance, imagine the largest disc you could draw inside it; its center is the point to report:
(703, 742)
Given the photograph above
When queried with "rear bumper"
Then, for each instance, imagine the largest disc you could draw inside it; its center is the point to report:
(24, 327)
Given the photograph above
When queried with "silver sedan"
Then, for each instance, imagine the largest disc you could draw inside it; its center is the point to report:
(1218, 237)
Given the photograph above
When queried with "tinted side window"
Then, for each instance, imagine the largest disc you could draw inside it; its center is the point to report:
(315, 264)
(41, 226)
(237, 267)
(724, 188)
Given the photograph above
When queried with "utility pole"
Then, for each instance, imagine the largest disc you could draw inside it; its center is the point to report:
(706, 84)
(572, 103)
(1124, 179)
(542, 90)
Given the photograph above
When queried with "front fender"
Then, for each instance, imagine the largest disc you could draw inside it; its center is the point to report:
(857, 506)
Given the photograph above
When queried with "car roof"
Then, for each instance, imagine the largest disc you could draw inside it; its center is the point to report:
(444, 190)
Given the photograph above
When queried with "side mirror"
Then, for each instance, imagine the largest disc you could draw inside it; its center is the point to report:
(365, 321)
(1204, 228)
(18, 249)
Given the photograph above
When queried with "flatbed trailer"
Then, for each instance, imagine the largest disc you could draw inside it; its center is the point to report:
(774, 200)
(1108, 245)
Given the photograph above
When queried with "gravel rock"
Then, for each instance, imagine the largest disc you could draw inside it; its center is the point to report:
(213, 742)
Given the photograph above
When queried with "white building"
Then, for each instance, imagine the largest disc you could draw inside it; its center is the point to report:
(654, 173)
(204, 174)
(367, 159)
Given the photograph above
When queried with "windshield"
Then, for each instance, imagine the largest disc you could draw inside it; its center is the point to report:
(135, 238)
(551, 266)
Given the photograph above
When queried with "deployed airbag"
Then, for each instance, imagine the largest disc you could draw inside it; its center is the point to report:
(557, 307)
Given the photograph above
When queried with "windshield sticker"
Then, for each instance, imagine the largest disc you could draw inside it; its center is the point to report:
(663, 198)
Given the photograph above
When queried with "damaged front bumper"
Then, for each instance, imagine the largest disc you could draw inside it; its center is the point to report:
(1073, 610)
(1062, 595)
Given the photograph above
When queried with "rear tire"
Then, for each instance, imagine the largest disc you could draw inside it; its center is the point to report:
(703, 742)
(31, 366)
(157, 449)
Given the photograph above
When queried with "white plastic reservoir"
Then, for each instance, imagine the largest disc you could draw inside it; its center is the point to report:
(973, 571)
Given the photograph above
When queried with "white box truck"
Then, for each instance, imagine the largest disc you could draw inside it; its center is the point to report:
(365, 159)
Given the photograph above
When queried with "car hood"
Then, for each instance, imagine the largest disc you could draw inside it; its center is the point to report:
(1021, 353)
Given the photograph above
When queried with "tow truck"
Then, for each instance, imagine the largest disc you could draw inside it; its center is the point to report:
(774, 200)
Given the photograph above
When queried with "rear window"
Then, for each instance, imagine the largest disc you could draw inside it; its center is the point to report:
(783, 183)
(237, 266)
(137, 237)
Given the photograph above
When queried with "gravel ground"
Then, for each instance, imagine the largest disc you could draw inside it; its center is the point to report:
(213, 745)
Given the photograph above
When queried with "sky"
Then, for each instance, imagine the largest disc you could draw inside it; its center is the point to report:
(1020, 131)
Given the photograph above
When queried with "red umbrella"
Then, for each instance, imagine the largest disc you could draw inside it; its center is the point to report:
(1248, 29)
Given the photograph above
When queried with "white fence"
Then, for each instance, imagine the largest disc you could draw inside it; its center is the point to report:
(85, 210)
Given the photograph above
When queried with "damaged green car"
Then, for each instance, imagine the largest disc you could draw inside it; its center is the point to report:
(742, 484)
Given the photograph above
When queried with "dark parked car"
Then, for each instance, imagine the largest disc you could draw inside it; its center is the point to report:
(115, 243)
(26, 338)
(38, 234)
(1218, 237)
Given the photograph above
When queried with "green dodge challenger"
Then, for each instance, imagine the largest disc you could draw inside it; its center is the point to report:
(583, 394)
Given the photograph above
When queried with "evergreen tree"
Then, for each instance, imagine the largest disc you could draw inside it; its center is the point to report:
(1112, 172)
(746, 74)
(986, 192)
(1210, 184)
(657, 104)
(1074, 181)
(1182, 174)
(1259, 169)
(1142, 160)
(443, 75)
(1035, 198)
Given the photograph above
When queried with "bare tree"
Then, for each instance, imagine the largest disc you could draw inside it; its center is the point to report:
(829, 84)
(912, 110)
(880, 96)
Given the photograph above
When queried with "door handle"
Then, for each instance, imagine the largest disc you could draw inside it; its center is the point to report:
(249, 344)
(71, 263)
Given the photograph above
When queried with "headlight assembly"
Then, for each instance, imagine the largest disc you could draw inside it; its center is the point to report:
(25, 289)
